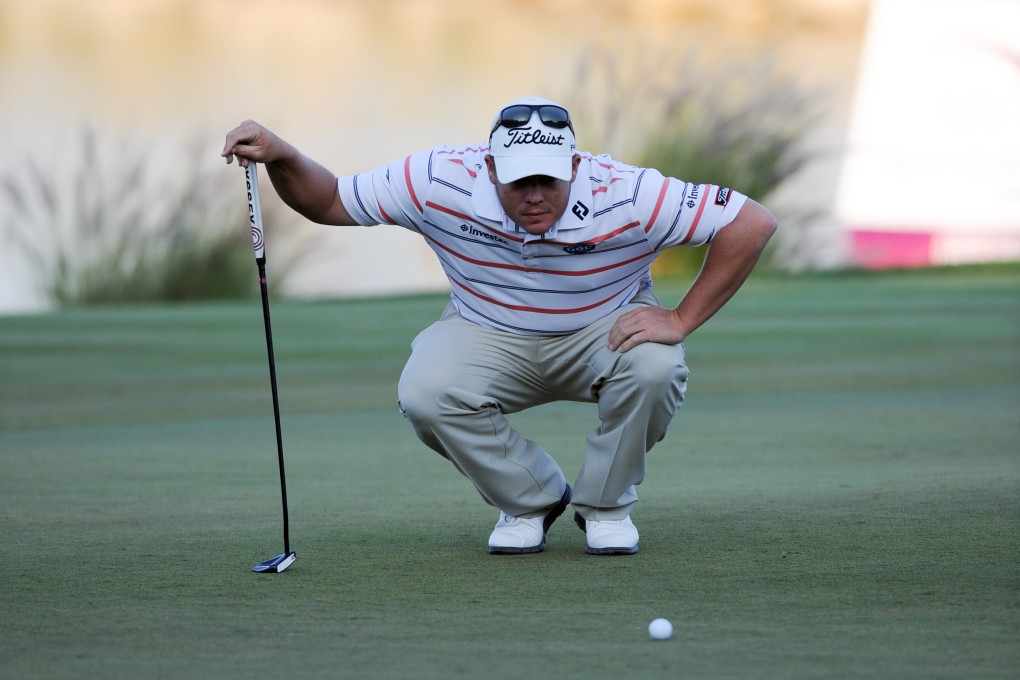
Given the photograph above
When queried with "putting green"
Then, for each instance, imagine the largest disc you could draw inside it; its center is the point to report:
(838, 498)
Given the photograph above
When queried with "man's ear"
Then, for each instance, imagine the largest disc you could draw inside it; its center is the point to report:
(576, 164)
(490, 165)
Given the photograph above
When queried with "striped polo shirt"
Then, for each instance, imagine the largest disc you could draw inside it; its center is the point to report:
(591, 262)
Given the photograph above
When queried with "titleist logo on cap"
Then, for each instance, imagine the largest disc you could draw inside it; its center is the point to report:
(527, 135)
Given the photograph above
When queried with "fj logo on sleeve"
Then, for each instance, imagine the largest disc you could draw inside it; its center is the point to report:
(580, 210)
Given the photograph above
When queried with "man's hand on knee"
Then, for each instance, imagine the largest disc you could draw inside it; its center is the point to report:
(646, 324)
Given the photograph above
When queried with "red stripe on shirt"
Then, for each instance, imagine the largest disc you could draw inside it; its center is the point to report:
(410, 187)
(597, 239)
(450, 211)
(460, 162)
(658, 205)
(537, 310)
(605, 187)
(606, 165)
(518, 268)
(462, 151)
(697, 216)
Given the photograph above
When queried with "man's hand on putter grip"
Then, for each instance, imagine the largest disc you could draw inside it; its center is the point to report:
(250, 141)
(646, 324)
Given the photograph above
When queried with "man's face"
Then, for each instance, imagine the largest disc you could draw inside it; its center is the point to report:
(535, 202)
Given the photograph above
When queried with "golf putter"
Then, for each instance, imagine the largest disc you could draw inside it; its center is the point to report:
(273, 565)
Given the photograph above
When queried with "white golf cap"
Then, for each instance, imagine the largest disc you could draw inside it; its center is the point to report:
(534, 147)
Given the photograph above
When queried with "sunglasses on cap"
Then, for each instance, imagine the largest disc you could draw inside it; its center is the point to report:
(520, 114)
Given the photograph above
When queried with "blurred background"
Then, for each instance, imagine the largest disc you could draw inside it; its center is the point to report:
(882, 133)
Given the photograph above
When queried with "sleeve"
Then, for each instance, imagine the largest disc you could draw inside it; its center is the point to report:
(685, 214)
(390, 194)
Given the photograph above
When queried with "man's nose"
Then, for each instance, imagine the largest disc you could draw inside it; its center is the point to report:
(533, 192)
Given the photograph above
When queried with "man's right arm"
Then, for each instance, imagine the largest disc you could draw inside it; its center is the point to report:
(304, 185)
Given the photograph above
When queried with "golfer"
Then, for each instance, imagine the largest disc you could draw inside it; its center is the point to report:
(548, 251)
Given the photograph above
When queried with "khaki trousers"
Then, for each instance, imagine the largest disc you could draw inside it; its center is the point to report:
(462, 380)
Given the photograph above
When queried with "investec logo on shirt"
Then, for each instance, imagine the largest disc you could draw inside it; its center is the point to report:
(468, 229)
(692, 201)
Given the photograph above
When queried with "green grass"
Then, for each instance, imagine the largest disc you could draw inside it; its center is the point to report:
(840, 497)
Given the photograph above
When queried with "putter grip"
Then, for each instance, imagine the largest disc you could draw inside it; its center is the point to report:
(251, 178)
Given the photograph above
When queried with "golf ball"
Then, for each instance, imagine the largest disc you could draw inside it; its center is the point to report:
(660, 629)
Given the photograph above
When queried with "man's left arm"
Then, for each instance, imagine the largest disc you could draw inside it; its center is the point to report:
(731, 257)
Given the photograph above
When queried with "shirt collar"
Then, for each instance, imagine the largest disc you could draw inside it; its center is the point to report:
(578, 214)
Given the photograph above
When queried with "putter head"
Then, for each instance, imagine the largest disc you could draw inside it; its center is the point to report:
(276, 564)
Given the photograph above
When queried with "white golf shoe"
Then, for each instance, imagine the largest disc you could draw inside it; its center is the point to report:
(610, 536)
(519, 535)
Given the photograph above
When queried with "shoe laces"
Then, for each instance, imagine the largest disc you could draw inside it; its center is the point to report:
(606, 521)
(506, 520)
